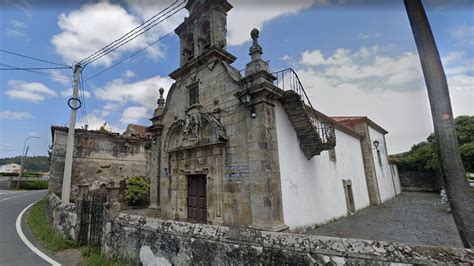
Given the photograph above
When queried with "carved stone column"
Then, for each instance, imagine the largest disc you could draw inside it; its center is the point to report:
(156, 131)
(265, 181)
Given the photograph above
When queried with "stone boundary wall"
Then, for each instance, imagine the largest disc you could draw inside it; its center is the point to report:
(134, 237)
(420, 181)
(62, 216)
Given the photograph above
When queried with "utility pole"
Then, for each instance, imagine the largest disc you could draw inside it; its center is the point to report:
(457, 187)
(21, 167)
(74, 103)
(25, 151)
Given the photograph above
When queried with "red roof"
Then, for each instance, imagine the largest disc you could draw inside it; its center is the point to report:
(137, 131)
(353, 120)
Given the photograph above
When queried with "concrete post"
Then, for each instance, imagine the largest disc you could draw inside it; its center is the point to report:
(66, 189)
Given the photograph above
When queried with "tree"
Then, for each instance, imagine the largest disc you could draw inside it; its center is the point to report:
(103, 127)
(457, 187)
(422, 156)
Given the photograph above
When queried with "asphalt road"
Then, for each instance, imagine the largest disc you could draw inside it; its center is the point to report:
(12, 249)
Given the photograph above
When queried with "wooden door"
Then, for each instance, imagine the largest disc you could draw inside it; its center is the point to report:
(197, 203)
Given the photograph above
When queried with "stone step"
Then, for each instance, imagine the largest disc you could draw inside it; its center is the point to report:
(308, 137)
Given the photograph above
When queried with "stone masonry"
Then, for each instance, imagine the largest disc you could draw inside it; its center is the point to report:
(101, 159)
(183, 243)
(203, 129)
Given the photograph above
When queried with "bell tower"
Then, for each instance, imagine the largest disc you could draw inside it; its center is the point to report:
(204, 30)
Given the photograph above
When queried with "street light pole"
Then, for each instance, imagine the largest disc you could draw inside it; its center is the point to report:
(23, 159)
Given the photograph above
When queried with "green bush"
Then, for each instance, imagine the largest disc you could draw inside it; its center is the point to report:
(423, 156)
(34, 184)
(138, 192)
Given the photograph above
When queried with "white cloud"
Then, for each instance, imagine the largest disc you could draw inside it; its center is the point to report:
(18, 24)
(144, 92)
(145, 9)
(464, 34)
(247, 15)
(68, 93)
(94, 122)
(59, 77)
(17, 33)
(16, 27)
(129, 74)
(8, 115)
(365, 63)
(404, 114)
(457, 62)
(389, 89)
(365, 36)
(29, 91)
(97, 25)
(134, 113)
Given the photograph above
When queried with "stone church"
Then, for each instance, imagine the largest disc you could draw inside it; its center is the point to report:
(248, 149)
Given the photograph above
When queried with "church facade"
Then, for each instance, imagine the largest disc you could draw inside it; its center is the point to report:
(242, 149)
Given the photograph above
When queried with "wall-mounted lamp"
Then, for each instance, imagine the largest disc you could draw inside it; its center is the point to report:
(245, 98)
(376, 144)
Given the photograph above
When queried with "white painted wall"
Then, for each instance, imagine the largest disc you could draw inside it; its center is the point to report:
(312, 190)
(385, 179)
(396, 178)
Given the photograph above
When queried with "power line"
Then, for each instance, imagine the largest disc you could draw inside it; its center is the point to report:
(132, 36)
(128, 57)
(125, 35)
(84, 109)
(32, 58)
(35, 71)
(34, 68)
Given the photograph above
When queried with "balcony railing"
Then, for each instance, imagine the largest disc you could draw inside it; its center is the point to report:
(287, 79)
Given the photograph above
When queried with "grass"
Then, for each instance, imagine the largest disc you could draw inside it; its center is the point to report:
(55, 241)
(45, 234)
(93, 258)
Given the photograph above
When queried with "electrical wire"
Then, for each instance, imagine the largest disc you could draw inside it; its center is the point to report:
(133, 36)
(35, 71)
(125, 35)
(33, 58)
(34, 68)
(128, 57)
(84, 109)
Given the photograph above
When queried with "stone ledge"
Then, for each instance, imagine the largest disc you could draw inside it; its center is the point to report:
(189, 243)
(266, 245)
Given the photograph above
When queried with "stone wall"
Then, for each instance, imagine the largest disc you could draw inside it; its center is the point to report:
(419, 181)
(129, 237)
(181, 243)
(62, 216)
(100, 159)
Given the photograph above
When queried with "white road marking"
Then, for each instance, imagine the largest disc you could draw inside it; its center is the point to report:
(28, 243)
(20, 195)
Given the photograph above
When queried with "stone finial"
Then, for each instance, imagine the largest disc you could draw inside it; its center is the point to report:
(161, 100)
(255, 34)
(255, 50)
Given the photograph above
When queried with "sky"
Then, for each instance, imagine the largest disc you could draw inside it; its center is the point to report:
(352, 57)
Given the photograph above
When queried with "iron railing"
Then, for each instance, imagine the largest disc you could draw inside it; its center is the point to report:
(287, 79)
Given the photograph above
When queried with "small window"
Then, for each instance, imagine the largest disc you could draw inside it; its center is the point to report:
(332, 154)
(379, 157)
(193, 94)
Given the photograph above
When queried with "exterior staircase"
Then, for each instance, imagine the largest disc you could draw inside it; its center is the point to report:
(314, 133)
